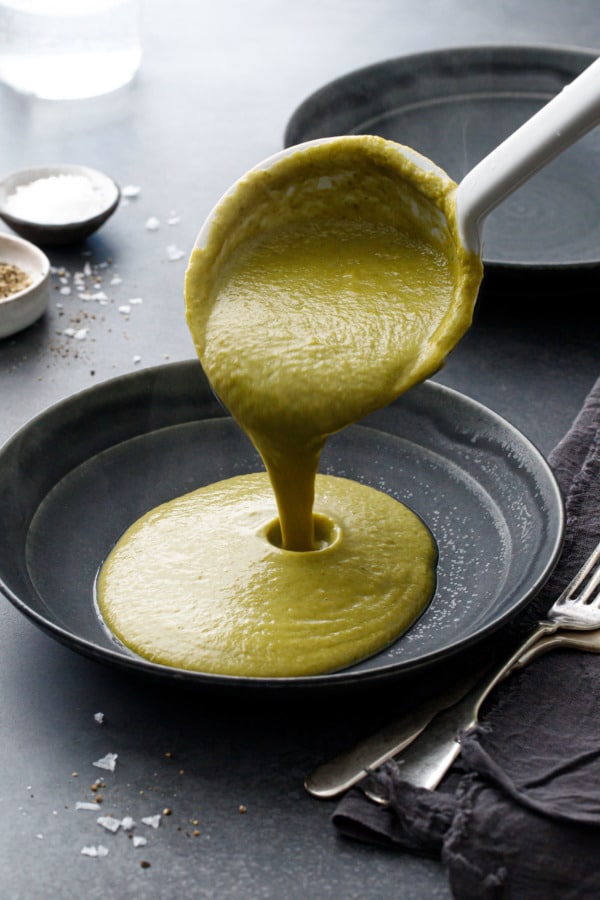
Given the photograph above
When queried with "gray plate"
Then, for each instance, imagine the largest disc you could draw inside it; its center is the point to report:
(75, 477)
(455, 106)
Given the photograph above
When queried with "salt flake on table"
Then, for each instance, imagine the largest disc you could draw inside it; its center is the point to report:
(99, 717)
(130, 191)
(137, 359)
(152, 821)
(100, 850)
(84, 805)
(135, 301)
(139, 841)
(152, 224)
(127, 823)
(109, 822)
(81, 334)
(65, 291)
(173, 253)
(125, 309)
(107, 762)
(116, 279)
(173, 219)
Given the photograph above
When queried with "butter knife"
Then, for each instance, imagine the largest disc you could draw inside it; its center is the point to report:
(339, 774)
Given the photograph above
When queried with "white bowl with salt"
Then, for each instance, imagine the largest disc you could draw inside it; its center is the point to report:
(56, 205)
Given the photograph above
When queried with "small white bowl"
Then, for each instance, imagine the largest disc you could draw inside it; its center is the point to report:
(21, 309)
(59, 234)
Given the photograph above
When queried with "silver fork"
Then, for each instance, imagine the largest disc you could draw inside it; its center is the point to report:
(578, 607)
(430, 755)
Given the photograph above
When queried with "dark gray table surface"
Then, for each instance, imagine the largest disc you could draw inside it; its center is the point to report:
(216, 88)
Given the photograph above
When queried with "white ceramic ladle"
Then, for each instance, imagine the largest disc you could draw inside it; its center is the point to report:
(561, 122)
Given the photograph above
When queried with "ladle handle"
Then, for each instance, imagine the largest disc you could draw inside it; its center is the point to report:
(557, 125)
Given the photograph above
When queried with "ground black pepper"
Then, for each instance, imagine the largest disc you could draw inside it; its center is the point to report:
(12, 280)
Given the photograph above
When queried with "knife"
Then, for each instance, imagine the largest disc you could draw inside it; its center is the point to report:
(341, 773)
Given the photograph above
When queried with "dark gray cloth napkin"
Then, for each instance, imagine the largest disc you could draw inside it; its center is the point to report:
(518, 816)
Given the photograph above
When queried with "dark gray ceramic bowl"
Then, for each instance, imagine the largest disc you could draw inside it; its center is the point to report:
(73, 479)
(64, 233)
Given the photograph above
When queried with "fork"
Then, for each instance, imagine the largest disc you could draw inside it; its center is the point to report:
(431, 754)
(577, 607)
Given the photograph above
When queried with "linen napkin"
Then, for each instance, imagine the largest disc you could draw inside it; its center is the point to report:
(519, 814)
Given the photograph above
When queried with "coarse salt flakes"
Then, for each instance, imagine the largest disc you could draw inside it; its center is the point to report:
(152, 821)
(136, 301)
(99, 717)
(174, 253)
(136, 360)
(107, 762)
(65, 291)
(124, 309)
(130, 191)
(100, 850)
(116, 279)
(127, 823)
(152, 224)
(109, 822)
(81, 804)
(57, 199)
(139, 841)
(80, 334)
(173, 219)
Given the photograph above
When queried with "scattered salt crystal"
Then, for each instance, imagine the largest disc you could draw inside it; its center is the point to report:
(173, 253)
(99, 717)
(107, 762)
(69, 332)
(60, 306)
(110, 823)
(81, 334)
(135, 301)
(65, 291)
(139, 841)
(87, 269)
(99, 295)
(152, 224)
(137, 359)
(89, 806)
(94, 851)
(130, 190)
(152, 821)
(173, 219)
(127, 823)
(116, 279)
(40, 837)
(125, 309)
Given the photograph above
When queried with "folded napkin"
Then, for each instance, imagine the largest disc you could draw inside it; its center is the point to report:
(519, 814)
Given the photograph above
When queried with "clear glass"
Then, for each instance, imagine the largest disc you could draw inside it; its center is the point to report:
(69, 49)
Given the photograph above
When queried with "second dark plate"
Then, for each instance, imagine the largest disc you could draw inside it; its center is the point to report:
(454, 106)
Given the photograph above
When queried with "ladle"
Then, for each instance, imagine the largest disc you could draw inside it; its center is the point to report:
(561, 122)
